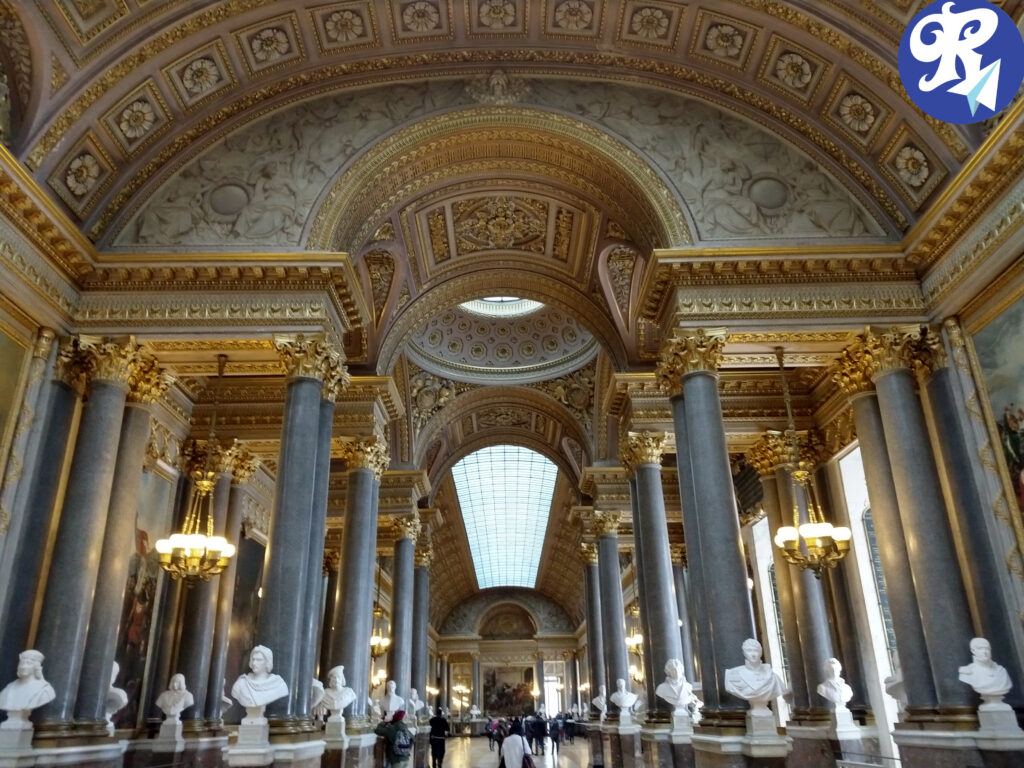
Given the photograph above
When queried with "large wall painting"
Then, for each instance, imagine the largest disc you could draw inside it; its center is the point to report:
(13, 353)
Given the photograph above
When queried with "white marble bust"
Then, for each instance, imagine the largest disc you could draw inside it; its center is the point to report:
(834, 688)
(415, 703)
(623, 698)
(474, 711)
(175, 699)
(600, 702)
(391, 702)
(754, 680)
(989, 679)
(25, 693)
(257, 688)
(116, 699)
(337, 695)
(676, 690)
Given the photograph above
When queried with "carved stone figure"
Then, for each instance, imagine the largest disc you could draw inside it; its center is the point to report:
(677, 691)
(116, 699)
(623, 698)
(391, 702)
(754, 680)
(415, 703)
(175, 699)
(337, 695)
(258, 687)
(600, 702)
(834, 687)
(27, 692)
(989, 679)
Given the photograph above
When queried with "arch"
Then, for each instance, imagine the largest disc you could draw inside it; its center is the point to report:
(547, 614)
(507, 620)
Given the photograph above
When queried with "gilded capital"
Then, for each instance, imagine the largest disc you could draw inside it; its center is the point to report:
(243, 464)
(606, 522)
(407, 527)
(147, 381)
(72, 366)
(424, 555)
(690, 352)
(332, 561)
(367, 454)
(930, 353)
(588, 553)
(772, 450)
(644, 448)
(852, 371)
(311, 357)
(336, 380)
(113, 360)
(44, 343)
(678, 553)
(890, 349)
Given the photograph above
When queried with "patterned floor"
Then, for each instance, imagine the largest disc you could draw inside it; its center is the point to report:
(467, 752)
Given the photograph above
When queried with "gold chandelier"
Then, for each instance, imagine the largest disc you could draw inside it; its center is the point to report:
(379, 640)
(815, 544)
(192, 555)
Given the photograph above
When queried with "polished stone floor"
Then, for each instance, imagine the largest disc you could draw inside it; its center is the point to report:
(472, 752)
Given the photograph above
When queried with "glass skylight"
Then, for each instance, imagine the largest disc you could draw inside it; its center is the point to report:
(501, 306)
(505, 493)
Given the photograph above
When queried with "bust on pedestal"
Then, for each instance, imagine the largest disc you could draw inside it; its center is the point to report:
(116, 699)
(414, 704)
(254, 690)
(677, 691)
(600, 704)
(172, 703)
(835, 689)
(992, 682)
(337, 696)
(757, 683)
(624, 699)
(391, 702)
(19, 697)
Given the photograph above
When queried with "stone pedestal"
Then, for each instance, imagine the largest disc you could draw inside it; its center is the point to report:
(252, 748)
(596, 740)
(334, 734)
(170, 738)
(953, 749)
(109, 755)
(421, 748)
(667, 747)
(300, 754)
(998, 729)
(625, 744)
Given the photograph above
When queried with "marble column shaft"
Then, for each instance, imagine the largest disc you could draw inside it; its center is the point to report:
(784, 572)
(353, 622)
(420, 627)
(38, 506)
(332, 566)
(703, 649)
(216, 683)
(442, 696)
(478, 683)
(680, 578)
(644, 662)
(538, 681)
(400, 652)
(969, 519)
(115, 561)
(75, 561)
(282, 609)
(312, 594)
(615, 657)
(595, 633)
(661, 642)
(199, 619)
(729, 616)
(926, 526)
(892, 552)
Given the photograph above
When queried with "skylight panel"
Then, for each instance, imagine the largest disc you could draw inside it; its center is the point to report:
(505, 492)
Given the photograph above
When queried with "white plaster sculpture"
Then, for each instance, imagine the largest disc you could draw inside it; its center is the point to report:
(337, 695)
(677, 691)
(623, 698)
(989, 679)
(257, 688)
(375, 708)
(116, 699)
(391, 702)
(415, 703)
(754, 680)
(25, 693)
(316, 698)
(175, 699)
(474, 711)
(834, 687)
(600, 703)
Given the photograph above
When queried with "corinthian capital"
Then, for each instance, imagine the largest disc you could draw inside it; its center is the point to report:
(689, 352)
(371, 453)
(588, 553)
(606, 522)
(332, 561)
(311, 357)
(407, 527)
(424, 555)
(852, 371)
(890, 349)
(930, 353)
(111, 360)
(678, 553)
(644, 448)
(239, 461)
(147, 381)
(772, 450)
(336, 379)
(72, 366)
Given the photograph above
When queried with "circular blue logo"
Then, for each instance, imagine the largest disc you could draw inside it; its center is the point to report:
(961, 61)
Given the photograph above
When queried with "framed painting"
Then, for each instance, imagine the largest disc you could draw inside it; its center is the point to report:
(14, 353)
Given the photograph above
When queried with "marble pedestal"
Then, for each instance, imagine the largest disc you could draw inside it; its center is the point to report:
(252, 748)
(16, 747)
(334, 733)
(623, 744)
(170, 738)
(596, 740)
(668, 746)
(110, 755)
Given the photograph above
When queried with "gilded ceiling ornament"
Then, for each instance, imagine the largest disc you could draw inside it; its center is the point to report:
(497, 14)
(497, 89)
(243, 463)
(201, 75)
(407, 527)
(421, 16)
(381, 266)
(651, 23)
(724, 40)
(575, 391)
(385, 231)
(112, 360)
(606, 522)
(857, 112)
(621, 263)
(437, 224)
(58, 75)
(428, 395)
(573, 15)
(500, 222)
(771, 451)
(929, 353)
(343, 26)
(17, 52)
(336, 378)
(308, 356)
(912, 166)
(423, 557)
(793, 69)
(840, 432)
(82, 174)
(646, 447)
(137, 119)
(690, 352)
(269, 44)
(588, 553)
(371, 453)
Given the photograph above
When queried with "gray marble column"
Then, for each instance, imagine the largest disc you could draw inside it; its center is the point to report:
(681, 579)
(661, 641)
(572, 680)
(766, 456)
(943, 602)
(243, 466)
(400, 652)
(478, 684)
(313, 596)
(332, 569)
(199, 614)
(282, 607)
(606, 526)
(75, 562)
(595, 632)
(421, 616)
(147, 385)
(691, 361)
(48, 442)
(353, 621)
(853, 377)
(442, 696)
(981, 565)
(643, 610)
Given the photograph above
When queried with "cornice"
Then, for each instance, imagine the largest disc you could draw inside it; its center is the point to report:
(401, 490)
(382, 391)
(37, 274)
